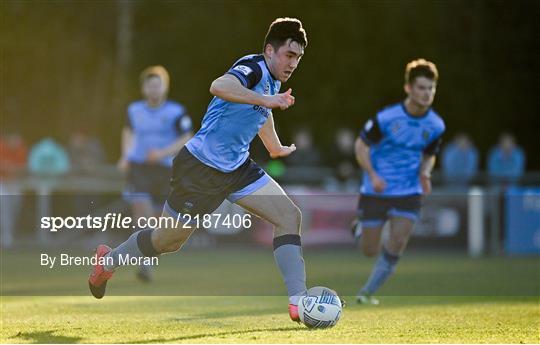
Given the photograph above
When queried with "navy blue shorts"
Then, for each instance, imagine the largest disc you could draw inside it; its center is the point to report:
(374, 211)
(197, 189)
(147, 182)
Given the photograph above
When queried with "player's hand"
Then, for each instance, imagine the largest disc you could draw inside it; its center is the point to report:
(284, 151)
(379, 184)
(154, 156)
(426, 184)
(281, 100)
(123, 165)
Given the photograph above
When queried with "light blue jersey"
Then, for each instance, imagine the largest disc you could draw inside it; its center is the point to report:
(228, 128)
(155, 128)
(397, 142)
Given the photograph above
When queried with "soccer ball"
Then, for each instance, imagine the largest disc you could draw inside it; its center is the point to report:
(320, 308)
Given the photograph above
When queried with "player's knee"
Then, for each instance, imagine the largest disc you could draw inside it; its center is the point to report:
(292, 220)
(297, 219)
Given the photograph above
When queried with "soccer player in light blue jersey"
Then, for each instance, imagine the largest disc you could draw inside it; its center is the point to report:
(215, 165)
(396, 150)
(154, 132)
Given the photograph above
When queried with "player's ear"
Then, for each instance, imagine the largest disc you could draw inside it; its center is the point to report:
(268, 49)
(407, 88)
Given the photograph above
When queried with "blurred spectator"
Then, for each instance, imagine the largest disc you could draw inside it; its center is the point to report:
(506, 161)
(85, 152)
(342, 158)
(48, 158)
(306, 155)
(459, 160)
(13, 152)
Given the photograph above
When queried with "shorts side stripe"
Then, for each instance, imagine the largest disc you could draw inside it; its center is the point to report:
(405, 214)
(249, 189)
(372, 223)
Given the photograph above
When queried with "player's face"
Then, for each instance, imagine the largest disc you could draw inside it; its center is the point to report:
(284, 61)
(154, 89)
(421, 91)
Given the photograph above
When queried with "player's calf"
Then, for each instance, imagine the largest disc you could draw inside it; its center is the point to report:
(170, 240)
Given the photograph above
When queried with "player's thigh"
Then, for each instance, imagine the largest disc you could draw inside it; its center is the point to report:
(271, 203)
(401, 229)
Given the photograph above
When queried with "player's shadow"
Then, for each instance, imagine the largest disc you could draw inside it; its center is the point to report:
(224, 314)
(220, 334)
(46, 337)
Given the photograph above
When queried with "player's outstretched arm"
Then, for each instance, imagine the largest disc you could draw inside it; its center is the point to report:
(361, 150)
(271, 141)
(229, 88)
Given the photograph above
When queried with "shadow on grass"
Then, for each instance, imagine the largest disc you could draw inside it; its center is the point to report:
(220, 334)
(230, 313)
(46, 337)
(393, 302)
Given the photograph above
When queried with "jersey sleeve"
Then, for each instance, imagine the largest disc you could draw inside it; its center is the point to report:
(248, 72)
(434, 147)
(183, 124)
(371, 133)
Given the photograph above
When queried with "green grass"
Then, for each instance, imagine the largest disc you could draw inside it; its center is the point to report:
(263, 319)
(231, 296)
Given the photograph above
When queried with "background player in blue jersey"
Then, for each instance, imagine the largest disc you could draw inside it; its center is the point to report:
(155, 130)
(396, 150)
(215, 165)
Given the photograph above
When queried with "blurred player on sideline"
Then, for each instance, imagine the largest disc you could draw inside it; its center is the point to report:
(215, 165)
(396, 149)
(154, 132)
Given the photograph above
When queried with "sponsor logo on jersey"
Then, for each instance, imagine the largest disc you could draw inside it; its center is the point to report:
(245, 70)
(261, 110)
(425, 135)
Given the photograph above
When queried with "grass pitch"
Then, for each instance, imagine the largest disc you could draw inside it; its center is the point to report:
(508, 311)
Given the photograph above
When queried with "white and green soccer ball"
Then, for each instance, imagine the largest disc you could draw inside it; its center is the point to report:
(320, 308)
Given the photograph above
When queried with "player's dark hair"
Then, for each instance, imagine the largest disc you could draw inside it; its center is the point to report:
(420, 68)
(282, 29)
(155, 71)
